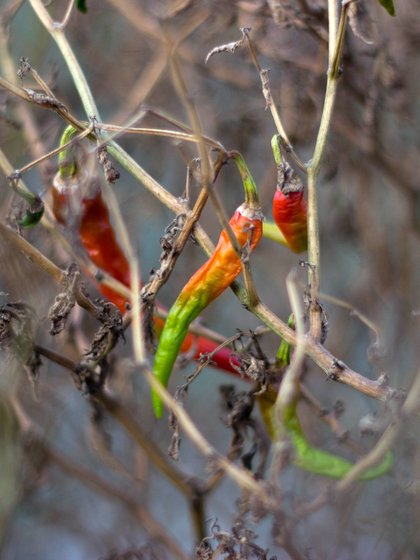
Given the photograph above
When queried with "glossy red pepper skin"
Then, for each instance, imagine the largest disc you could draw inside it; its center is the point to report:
(290, 215)
(203, 287)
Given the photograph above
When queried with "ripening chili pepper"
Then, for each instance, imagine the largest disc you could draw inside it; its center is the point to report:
(209, 281)
(74, 194)
(306, 456)
(98, 238)
(289, 205)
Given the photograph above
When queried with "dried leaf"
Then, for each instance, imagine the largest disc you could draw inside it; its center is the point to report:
(111, 173)
(45, 100)
(108, 333)
(64, 301)
(229, 47)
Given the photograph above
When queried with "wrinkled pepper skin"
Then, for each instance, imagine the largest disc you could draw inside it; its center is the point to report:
(290, 215)
(203, 287)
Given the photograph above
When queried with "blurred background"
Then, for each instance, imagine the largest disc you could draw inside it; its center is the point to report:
(369, 205)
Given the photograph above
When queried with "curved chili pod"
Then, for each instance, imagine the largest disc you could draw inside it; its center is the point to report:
(289, 205)
(321, 462)
(306, 456)
(203, 287)
(209, 281)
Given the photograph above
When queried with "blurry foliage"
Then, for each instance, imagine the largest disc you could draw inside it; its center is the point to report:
(369, 203)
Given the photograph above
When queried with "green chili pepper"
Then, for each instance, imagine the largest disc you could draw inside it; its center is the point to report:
(307, 457)
(33, 214)
(321, 462)
(209, 281)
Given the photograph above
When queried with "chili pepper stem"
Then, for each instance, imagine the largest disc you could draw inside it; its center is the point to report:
(250, 188)
(66, 164)
(275, 146)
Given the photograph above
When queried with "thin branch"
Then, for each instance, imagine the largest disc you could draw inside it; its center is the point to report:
(42, 101)
(409, 408)
(289, 388)
(43, 262)
(182, 91)
(185, 136)
(240, 476)
(67, 15)
(89, 478)
(56, 151)
(314, 270)
(356, 313)
(120, 413)
(150, 291)
(333, 369)
(316, 352)
(271, 105)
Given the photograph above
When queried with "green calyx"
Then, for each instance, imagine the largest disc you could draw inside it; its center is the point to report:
(250, 188)
(275, 146)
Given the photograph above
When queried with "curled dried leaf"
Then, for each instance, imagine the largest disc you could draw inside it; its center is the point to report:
(45, 100)
(108, 334)
(229, 47)
(111, 173)
(288, 180)
(64, 301)
(16, 336)
(246, 430)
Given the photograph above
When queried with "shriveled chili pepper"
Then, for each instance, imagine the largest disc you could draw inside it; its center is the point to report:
(289, 205)
(209, 281)
(98, 238)
(306, 456)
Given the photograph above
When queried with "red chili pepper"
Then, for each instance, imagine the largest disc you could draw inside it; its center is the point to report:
(209, 281)
(97, 236)
(289, 205)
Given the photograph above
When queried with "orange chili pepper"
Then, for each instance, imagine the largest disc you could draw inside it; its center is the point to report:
(209, 281)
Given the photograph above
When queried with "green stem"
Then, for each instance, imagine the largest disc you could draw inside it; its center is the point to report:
(275, 146)
(335, 49)
(251, 192)
(67, 164)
